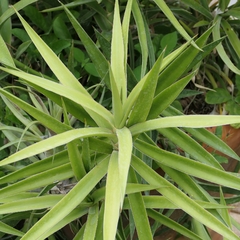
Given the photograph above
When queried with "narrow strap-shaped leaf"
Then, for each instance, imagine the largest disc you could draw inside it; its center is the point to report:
(135, 92)
(145, 97)
(59, 159)
(30, 204)
(141, 34)
(222, 53)
(188, 166)
(204, 135)
(101, 115)
(100, 62)
(91, 225)
(18, 6)
(190, 146)
(118, 55)
(139, 212)
(200, 229)
(124, 157)
(180, 199)
(190, 121)
(56, 141)
(56, 65)
(112, 199)
(181, 62)
(4, 228)
(172, 224)
(5, 57)
(199, 8)
(116, 101)
(75, 159)
(44, 118)
(39, 180)
(125, 28)
(77, 213)
(167, 96)
(232, 36)
(68, 202)
(19, 114)
(165, 9)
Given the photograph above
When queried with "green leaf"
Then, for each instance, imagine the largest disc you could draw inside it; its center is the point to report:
(60, 29)
(55, 141)
(199, 8)
(116, 101)
(58, 68)
(113, 199)
(18, 6)
(68, 202)
(142, 36)
(36, 17)
(91, 225)
(100, 62)
(42, 117)
(38, 180)
(233, 107)
(190, 121)
(34, 203)
(145, 96)
(180, 199)
(6, 27)
(169, 14)
(188, 166)
(124, 158)
(180, 62)
(232, 36)
(167, 96)
(172, 224)
(95, 109)
(222, 53)
(56, 160)
(4, 228)
(190, 146)
(118, 65)
(169, 41)
(218, 96)
(137, 207)
(223, 4)
(205, 136)
(5, 57)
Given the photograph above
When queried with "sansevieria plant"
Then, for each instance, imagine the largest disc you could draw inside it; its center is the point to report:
(111, 160)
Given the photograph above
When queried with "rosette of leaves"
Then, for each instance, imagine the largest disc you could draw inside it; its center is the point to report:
(106, 157)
